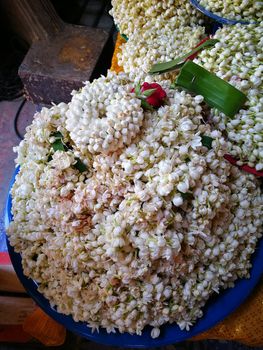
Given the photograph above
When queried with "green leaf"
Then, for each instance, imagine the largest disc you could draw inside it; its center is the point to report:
(165, 67)
(49, 158)
(217, 93)
(179, 61)
(148, 92)
(146, 105)
(207, 141)
(124, 37)
(57, 135)
(58, 145)
(187, 195)
(80, 166)
(138, 89)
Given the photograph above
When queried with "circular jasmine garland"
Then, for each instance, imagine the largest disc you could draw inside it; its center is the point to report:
(237, 10)
(131, 16)
(149, 46)
(148, 232)
(237, 58)
(105, 116)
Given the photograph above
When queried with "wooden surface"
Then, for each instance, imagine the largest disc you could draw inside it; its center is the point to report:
(9, 281)
(53, 68)
(15, 310)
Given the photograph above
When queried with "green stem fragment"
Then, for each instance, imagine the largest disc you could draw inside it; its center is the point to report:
(145, 105)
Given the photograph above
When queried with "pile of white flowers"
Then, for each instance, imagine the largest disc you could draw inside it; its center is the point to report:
(237, 58)
(235, 10)
(154, 45)
(131, 16)
(157, 32)
(156, 224)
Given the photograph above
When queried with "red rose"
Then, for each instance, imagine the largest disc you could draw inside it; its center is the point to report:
(156, 99)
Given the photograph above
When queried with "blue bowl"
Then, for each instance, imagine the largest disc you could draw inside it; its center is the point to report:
(215, 17)
(217, 308)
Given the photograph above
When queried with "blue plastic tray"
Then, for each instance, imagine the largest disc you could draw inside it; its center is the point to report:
(215, 17)
(217, 308)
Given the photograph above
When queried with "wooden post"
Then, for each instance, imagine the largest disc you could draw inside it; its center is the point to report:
(61, 55)
(32, 19)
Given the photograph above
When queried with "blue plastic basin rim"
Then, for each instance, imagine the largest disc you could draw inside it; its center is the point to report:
(215, 17)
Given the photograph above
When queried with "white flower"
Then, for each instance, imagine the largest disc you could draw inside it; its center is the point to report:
(195, 142)
(177, 200)
(155, 332)
(62, 160)
(183, 186)
(186, 125)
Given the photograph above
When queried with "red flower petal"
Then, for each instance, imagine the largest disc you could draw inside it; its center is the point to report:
(196, 54)
(244, 167)
(146, 86)
(154, 101)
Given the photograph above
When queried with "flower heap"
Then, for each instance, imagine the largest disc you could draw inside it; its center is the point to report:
(237, 58)
(249, 10)
(132, 16)
(154, 45)
(157, 31)
(156, 223)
